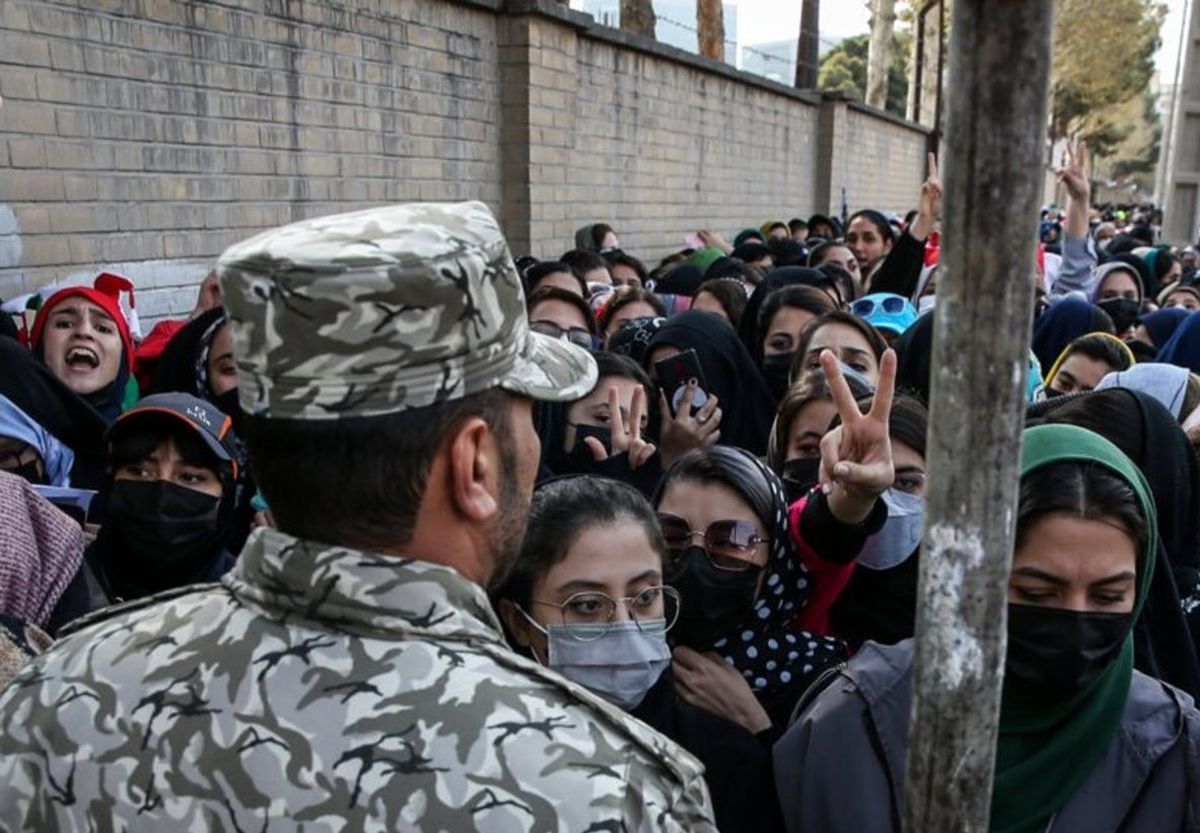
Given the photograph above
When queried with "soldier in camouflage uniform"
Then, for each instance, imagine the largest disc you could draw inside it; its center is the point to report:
(332, 686)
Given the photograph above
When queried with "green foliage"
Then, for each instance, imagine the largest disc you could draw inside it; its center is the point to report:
(844, 69)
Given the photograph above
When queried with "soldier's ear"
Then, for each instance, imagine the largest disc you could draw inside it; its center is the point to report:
(474, 470)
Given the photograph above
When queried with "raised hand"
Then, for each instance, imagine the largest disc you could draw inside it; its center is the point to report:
(856, 457)
(929, 207)
(1074, 174)
(625, 439)
(683, 432)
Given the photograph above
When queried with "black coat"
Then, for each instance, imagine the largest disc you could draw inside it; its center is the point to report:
(737, 765)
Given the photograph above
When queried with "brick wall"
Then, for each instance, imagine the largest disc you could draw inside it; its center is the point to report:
(144, 136)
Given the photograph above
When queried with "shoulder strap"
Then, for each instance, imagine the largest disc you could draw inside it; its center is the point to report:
(814, 690)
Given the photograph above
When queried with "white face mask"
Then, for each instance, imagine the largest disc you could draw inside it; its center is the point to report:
(925, 303)
(901, 533)
(620, 666)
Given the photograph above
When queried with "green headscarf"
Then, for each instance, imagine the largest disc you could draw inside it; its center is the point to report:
(705, 258)
(1047, 749)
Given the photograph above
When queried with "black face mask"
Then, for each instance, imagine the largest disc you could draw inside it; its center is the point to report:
(711, 602)
(1124, 312)
(160, 535)
(31, 471)
(1059, 653)
(580, 457)
(776, 369)
(799, 476)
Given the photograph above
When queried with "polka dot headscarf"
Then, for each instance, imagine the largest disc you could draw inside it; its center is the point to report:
(770, 655)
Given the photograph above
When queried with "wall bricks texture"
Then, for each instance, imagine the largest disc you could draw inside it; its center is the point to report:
(144, 136)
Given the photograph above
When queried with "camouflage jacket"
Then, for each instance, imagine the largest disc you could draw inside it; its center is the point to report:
(323, 689)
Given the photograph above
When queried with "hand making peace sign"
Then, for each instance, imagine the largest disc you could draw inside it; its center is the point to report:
(624, 438)
(929, 208)
(856, 457)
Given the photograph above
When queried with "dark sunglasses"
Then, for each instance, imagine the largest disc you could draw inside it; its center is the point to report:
(728, 544)
(866, 306)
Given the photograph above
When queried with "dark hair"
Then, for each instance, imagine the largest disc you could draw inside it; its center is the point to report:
(140, 435)
(815, 220)
(582, 262)
(599, 232)
(817, 253)
(795, 224)
(908, 423)
(359, 481)
(874, 339)
(623, 367)
(788, 252)
(843, 281)
(812, 387)
(554, 293)
(807, 298)
(876, 219)
(732, 267)
(620, 258)
(561, 510)
(623, 296)
(729, 466)
(1080, 489)
(534, 275)
(1101, 348)
(730, 294)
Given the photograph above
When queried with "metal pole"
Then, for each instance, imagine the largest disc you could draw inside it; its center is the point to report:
(992, 169)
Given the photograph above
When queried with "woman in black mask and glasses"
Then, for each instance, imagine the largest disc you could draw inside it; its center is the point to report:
(724, 518)
(586, 598)
(169, 507)
(1085, 742)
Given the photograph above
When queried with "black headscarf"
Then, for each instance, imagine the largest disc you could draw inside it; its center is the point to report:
(183, 366)
(683, 279)
(1147, 433)
(632, 339)
(914, 350)
(1062, 323)
(731, 375)
(776, 279)
(34, 389)
(1145, 275)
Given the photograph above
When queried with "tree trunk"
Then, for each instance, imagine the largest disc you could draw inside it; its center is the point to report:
(808, 45)
(710, 25)
(995, 143)
(879, 55)
(637, 16)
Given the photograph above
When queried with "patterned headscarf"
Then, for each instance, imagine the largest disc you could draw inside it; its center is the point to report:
(770, 655)
(40, 552)
(632, 339)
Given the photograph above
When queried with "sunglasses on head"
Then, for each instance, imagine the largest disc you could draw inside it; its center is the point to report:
(867, 306)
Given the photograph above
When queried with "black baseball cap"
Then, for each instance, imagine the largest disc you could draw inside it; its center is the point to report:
(210, 423)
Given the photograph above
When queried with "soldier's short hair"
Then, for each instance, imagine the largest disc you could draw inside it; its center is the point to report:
(358, 482)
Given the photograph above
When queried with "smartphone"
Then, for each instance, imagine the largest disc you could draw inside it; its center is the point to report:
(674, 373)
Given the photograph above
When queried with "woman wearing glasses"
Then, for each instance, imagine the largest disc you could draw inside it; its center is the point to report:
(586, 598)
(723, 516)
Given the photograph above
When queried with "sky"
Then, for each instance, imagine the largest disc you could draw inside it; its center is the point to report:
(761, 21)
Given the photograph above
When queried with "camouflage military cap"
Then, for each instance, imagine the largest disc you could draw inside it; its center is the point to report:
(384, 310)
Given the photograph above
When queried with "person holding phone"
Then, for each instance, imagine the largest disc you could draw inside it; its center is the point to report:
(735, 405)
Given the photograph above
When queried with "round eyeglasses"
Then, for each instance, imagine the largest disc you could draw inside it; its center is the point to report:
(590, 614)
(576, 335)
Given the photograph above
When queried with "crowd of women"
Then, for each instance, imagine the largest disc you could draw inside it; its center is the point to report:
(726, 533)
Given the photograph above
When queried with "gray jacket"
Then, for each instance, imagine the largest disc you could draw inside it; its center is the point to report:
(840, 767)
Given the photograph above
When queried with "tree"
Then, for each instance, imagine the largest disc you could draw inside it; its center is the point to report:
(879, 55)
(710, 26)
(637, 16)
(844, 69)
(1103, 57)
